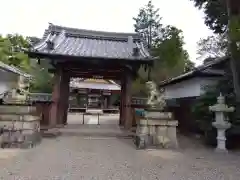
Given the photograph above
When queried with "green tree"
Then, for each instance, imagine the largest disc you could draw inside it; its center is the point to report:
(11, 51)
(189, 65)
(213, 46)
(147, 24)
(216, 16)
(165, 43)
(204, 118)
(223, 16)
(42, 78)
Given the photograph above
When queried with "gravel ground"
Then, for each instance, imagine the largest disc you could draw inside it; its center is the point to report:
(75, 157)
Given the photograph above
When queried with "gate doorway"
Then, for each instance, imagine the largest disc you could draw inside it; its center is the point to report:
(78, 53)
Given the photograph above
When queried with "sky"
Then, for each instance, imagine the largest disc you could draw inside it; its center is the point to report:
(31, 17)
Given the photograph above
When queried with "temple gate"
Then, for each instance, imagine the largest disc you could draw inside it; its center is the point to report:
(90, 54)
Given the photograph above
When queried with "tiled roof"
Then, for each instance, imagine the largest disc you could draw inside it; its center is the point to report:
(204, 69)
(58, 40)
(33, 40)
(13, 70)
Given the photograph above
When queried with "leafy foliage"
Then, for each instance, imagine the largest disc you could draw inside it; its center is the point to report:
(165, 43)
(11, 53)
(213, 46)
(204, 117)
(216, 16)
(147, 23)
(42, 78)
(220, 16)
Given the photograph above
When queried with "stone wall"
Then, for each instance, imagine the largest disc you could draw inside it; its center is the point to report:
(20, 126)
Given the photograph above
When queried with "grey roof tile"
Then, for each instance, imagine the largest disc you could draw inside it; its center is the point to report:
(87, 43)
(205, 69)
(14, 70)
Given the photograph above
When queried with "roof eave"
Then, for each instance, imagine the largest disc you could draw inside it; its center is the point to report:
(193, 75)
(60, 57)
(197, 72)
(14, 70)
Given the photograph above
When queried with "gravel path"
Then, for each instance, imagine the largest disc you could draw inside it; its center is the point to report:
(77, 157)
(74, 156)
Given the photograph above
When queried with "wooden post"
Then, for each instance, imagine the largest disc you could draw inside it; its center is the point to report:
(127, 100)
(122, 117)
(126, 112)
(65, 97)
(54, 111)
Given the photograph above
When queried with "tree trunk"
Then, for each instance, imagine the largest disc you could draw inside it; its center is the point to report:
(234, 12)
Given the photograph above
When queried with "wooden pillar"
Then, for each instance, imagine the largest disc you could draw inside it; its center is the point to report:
(120, 110)
(87, 96)
(65, 97)
(56, 95)
(63, 100)
(108, 101)
(127, 100)
(122, 118)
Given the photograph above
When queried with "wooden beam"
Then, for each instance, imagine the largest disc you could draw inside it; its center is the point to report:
(95, 72)
(93, 69)
(113, 77)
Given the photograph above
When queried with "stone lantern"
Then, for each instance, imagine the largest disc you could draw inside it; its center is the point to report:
(221, 124)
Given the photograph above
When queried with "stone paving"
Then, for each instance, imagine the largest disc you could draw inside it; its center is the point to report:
(96, 157)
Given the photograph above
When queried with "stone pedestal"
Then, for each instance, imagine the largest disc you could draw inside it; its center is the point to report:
(221, 138)
(142, 136)
(21, 127)
(157, 129)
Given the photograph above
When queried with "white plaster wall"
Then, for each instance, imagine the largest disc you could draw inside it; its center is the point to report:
(7, 81)
(208, 82)
(188, 88)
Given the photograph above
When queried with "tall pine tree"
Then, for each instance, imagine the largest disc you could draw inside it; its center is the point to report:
(147, 23)
(164, 42)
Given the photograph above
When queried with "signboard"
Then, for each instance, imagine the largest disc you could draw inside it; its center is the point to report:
(82, 91)
(106, 93)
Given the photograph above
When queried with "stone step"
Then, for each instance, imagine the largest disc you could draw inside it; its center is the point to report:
(158, 115)
(17, 109)
(53, 132)
(94, 111)
(22, 118)
(20, 125)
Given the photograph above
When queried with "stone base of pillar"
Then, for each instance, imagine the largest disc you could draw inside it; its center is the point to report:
(157, 130)
(221, 138)
(221, 151)
(53, 132)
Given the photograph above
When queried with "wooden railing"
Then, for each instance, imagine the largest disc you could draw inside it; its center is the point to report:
(45, 97)
(139, 101)
(39, 97)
